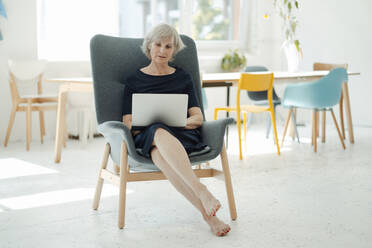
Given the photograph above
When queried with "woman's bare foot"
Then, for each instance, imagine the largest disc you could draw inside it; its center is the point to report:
(217, 226)
(210, 203)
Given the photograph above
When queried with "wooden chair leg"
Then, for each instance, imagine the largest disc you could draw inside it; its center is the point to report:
(123, 184)
(42, 126)
(323, 125)
(228, 184)
(341, 104)
(10, 125)
(317, 123)
(314, 134)
(275, 132)
(286, 125)
(338, 130)
(28, 124)
(292, 131)
(97, 195)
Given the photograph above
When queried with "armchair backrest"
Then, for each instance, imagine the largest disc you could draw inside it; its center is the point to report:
(114, 59)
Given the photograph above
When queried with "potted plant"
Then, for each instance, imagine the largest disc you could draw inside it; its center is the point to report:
(233, 61)
(287, 10)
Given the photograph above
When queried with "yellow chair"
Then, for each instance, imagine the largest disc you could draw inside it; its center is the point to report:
(255, 81)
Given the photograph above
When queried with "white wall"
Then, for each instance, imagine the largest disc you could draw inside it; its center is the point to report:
(330, 31)
(339, 31)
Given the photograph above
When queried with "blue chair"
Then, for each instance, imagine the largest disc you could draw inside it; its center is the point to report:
(321, 95)
(260, 97)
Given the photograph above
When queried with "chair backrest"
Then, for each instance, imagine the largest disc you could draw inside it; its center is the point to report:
(330, 86)
(327, 67)
(114, 59)
(256, 82)
(323, 93)
(27, 69)
(258, 95)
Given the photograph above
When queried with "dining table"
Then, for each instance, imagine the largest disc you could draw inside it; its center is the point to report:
(208, 80)
(66, 85)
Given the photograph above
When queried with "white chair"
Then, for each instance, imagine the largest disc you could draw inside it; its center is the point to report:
(81, 104)
(28, 74)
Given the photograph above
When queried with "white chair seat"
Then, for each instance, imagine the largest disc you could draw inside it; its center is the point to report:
(40, 96)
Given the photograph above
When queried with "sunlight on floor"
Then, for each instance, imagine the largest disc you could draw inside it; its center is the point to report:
(12, 167)
(57, 197)
(256, 144)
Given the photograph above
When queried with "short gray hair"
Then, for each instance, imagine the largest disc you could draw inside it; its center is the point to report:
(162, 32)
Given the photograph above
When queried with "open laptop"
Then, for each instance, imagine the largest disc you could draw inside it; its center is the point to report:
(170, 109)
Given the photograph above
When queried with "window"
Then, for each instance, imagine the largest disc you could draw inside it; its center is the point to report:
(66, 27)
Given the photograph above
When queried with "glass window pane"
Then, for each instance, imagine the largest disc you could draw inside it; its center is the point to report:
(136, 17)
(66, 27)
(213, 20)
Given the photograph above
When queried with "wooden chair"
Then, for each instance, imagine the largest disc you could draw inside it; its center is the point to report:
(253, 82)
(327, 67)
(113, 59)
(28, 71)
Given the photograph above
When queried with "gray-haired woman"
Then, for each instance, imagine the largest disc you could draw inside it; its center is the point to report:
(169, 147)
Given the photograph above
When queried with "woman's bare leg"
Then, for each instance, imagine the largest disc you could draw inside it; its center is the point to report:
(217, 226)
(175, 155)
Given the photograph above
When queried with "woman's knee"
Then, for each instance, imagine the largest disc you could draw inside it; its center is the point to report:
(154, 151)
(160, 132)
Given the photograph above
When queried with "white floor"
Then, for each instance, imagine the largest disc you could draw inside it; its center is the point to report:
(298, 199)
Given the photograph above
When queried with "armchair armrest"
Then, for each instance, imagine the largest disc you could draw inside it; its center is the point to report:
(213, 132)
(115, 131)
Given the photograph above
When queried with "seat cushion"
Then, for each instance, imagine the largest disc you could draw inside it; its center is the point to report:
(192, 154)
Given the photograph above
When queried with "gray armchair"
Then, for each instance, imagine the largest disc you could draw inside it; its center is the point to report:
(113, 59)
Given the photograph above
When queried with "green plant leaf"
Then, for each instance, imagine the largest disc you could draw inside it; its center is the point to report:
(297, 44)
(293, 26)
(232, 60)
(296, 4)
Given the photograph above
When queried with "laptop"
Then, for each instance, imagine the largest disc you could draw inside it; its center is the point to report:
(170, 109)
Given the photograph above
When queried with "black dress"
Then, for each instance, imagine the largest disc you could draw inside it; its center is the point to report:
(177, 82)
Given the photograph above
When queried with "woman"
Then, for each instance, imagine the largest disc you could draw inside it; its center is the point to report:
(169, 147)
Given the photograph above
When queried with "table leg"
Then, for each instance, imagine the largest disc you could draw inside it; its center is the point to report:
(345, 92)
(60, 125)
